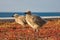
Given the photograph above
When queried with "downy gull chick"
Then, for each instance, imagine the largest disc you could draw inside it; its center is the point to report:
(34, 21)
(20, 19)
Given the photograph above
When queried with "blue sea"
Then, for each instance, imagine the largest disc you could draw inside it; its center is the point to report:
(10, 14)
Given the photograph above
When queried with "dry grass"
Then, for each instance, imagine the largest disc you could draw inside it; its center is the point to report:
(14, 31)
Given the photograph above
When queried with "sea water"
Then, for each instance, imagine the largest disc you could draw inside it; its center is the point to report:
(10, 14)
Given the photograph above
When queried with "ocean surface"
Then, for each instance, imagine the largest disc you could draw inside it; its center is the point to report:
(10, 14)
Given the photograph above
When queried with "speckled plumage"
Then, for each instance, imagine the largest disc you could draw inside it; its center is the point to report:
(34, 21)
(20, 19)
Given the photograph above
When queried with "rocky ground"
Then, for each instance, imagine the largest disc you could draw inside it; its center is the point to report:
(14, 31)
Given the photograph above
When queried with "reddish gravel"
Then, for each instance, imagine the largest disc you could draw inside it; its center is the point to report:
(14, 31)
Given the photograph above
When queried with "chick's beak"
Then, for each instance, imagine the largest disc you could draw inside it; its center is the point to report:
(12, 16)
(25, 13)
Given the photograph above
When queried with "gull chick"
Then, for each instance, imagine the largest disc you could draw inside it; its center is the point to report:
(34, 21)
(20, 19)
